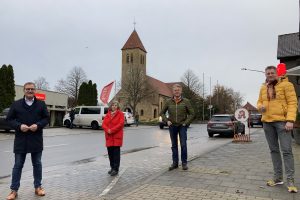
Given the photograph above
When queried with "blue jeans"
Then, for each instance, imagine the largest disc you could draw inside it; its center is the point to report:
(182, 131)
(17, 170)
(276, 136)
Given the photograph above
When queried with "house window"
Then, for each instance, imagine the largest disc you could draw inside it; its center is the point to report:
(154, 113)
(131, 58)
(127, 58)
(142, 112)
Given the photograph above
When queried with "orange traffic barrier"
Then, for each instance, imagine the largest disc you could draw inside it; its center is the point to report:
(241, 138)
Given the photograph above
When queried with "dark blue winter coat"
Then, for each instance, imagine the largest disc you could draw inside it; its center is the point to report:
(21, 113)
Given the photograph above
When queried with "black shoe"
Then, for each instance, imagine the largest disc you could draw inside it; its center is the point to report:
(184, 166)
(114, 173)
(173, 166)
(109, 172)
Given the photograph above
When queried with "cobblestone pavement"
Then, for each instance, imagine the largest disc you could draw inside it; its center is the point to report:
(233, 171)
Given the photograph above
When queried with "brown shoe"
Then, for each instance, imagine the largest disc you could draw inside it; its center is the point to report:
(40, 191)
(12, 195)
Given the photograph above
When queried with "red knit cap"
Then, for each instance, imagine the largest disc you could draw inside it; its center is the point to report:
(281, 69)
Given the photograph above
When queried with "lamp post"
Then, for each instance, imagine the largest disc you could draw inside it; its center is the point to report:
(253, 70)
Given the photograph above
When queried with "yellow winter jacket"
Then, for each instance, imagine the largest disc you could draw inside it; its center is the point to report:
(283, 107)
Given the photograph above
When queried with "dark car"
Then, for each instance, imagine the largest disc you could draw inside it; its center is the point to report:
(255, 119)
(224, 124)
(3, 123)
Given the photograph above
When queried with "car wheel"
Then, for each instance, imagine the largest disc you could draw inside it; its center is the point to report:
(95, 125)
(161, 126)
(210, 134)
(67, 123)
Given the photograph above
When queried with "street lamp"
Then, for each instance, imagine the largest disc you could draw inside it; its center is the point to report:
(254, 70)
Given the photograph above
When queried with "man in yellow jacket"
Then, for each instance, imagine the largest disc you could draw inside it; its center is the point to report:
(278, 104)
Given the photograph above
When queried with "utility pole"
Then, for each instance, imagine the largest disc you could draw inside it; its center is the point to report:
(203, 100)
(210, 106)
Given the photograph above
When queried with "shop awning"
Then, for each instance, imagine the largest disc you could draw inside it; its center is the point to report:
(295, 71)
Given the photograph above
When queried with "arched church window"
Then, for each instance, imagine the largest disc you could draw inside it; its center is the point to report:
(142, 112)
(131, 58)
(127, 58)
(141, 59)
(154, 113)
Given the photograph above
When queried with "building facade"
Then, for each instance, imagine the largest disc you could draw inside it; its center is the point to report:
(57, 104)
(288, 52)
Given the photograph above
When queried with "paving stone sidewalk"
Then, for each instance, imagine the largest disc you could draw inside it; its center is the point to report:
(233, 171)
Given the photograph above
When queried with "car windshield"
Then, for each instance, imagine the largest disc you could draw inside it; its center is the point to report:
(221, 118)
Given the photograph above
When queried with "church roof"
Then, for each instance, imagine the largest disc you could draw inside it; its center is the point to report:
(161, 87)
(134, 42)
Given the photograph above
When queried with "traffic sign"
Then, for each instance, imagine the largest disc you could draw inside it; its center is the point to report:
(241, 114)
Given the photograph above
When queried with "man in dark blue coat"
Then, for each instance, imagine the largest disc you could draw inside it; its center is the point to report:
(28, 116)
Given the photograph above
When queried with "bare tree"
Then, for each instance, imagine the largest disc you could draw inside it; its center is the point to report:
(237, 98)
(71, 84)
(136, 88)
(192, 82)
(226, 100)
(41, 83)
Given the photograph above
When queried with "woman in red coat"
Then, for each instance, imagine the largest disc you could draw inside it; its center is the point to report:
(112, 125)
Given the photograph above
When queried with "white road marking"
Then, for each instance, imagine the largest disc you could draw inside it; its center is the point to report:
(49, 146)
(112, 184)
(56, 145)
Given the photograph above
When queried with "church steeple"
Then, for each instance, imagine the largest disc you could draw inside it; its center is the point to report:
(134, 42)
(133, 55)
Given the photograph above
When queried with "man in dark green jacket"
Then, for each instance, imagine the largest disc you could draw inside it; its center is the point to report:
(180, 116)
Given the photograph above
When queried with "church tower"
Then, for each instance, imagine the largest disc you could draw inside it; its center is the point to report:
(133, 55)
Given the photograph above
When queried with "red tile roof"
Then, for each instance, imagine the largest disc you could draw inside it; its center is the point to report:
(134, 42)
(249, 107)
(159, 86)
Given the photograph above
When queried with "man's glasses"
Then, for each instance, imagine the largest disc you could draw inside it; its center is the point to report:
(29, 89)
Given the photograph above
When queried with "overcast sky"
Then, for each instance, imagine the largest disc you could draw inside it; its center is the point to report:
(215, 37)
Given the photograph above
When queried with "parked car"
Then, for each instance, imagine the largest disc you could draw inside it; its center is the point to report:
(90, 116)
(128, 119)
(4, 125)
(162, 123)
(224, 124)
(255, 119)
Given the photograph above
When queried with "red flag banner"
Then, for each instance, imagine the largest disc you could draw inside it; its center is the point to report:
(40, 96)
(106, 92)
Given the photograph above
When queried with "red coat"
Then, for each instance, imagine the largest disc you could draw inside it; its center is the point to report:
(115, 123)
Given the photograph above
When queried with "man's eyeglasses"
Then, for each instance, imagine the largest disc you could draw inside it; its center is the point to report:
(29, 89)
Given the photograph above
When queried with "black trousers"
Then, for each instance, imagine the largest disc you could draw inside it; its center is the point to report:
(114, 157)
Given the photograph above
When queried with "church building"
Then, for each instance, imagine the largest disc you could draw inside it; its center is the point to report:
(134, 55)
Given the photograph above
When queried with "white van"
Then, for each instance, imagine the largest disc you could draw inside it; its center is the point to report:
(90, 116)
